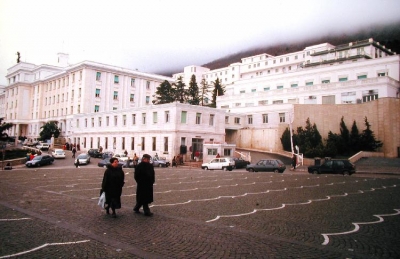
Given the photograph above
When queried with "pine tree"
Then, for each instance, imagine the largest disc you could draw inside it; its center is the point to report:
(164, 93)
(354, 139)
(285, 140)
(218, 91)
(367, 139)
(3, 127)
(345, 138)
(180, 91)
(193, 92)
(204, 90)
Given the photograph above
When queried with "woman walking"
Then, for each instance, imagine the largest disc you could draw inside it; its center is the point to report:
(112, 184)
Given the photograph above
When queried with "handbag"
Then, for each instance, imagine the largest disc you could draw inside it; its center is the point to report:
(102, 200)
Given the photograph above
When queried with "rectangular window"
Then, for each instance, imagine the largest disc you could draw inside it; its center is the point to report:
(155, 117)
(148, 85)
(116, 79)
(123, 143)
(147, 99)
(96, 108)
(294, 85)
(115, 95)
(279, 87)
(282, 117)
(97, 93)
(124, 120)
(381, 74)
(266, 89)
(237, 120)
(227, 152)
(142, 144)
(226, 119)
(327, 81)
(212, 151)
(143, 118)
(107, 121)
(198, 118)
(167, 116)
(92, 122)
(132, 143)
(362, 77)
(133, 119)
(330, 99)
(265, 118)
(183, 116)
(86, 123)
(342, 79)
(98, 76)
(115, 120)
(249, 119)
(132, 81)
(132, 98)
(211, 122)
(253, 90)
(310, 83)
(99, 121)
(153, 144)
(165, 144)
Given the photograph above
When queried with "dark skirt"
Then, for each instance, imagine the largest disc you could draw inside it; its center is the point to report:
(113, 202)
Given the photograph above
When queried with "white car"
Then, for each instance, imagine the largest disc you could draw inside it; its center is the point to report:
(58, 153)
(121, 157)
(224, 163)
(43, 146)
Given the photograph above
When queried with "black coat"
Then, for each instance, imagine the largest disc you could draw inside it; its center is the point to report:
(145, 178)
(112, 184)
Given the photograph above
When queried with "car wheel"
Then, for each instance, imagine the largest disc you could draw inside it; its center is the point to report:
(346, 173)
(251, 170)
(206, 168)
(276, 171)
(159, 165)
(315, 172)
(224, 168)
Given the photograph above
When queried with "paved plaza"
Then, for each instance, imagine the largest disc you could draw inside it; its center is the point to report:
(52, 212)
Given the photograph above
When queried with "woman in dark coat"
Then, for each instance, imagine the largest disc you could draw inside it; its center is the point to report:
(145, 178)
(112, 184)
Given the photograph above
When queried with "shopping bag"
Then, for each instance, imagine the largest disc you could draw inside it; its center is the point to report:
(102, 200)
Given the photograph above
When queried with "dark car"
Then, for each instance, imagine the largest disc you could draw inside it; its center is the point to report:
(40, 160)
(83, 158)
(340, 166)
(267, 165)
(240, 162)
(105, 162)
(94, 152)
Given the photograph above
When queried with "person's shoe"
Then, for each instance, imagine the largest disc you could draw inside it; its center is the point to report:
(136, 211)
(148, 214)
(108, 210)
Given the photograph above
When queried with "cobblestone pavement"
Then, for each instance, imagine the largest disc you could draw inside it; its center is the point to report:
(53, 213)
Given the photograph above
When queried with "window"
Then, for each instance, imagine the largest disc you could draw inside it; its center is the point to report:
(342, 79)
(249, 119)
(330, 99)
(226, 119)
(115, 120)
(294, 85)
(116, 79)
(132, 143)
(242, 91)
(183, 116)
(237, 120)
(92, 122)
(166, 116)
(123, 143)
(147, 99)
(99, 120)
(277, 101)
(309, 83)
(97, 93)
(362, 77)
(211, 122)
(107, 121)
(253, 90)
(143, 144)
(198, 118)
(132, 81)
(143, 118)
(381, 74)
(132, 98)
(115, 95)
(86, 123)
(265, 118)
(98, 76)
(148, 85)
(266, 89)
(153, 143)
(154, 117)
(165, 144)
(369, 95)
(133, 119)
(212, 151)
(326, 81)
(279, 87)
(96, 108)
(124, 120)
(282, 117)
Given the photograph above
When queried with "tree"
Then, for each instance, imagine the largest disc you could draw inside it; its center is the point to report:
(48, 130)
(332, 143)
(354, 139)
(219, 90)
(367, 139)
(193, 92)
(285, 140)
(3, 127)
(345, 138)
(164, 93)
(309, 140)
(180, 91)
(204, 90)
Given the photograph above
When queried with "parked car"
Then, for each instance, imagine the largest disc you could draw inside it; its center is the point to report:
(224, 163)
(105, 162)
(58, 153)
(161, 162)
(40, 160)
(267, 165)
(240, 162)
(336, 166)
(130, 163)
(107, 154)
(84, 159)
(43, 146)
(94, 152)
(121, 157)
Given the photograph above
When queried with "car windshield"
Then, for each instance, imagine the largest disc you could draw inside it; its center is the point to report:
(37, 158)
(82, 156)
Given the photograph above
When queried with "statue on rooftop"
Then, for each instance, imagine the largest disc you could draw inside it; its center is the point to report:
(18, 56)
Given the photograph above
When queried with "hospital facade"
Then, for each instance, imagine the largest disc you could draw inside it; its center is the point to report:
(104, 105)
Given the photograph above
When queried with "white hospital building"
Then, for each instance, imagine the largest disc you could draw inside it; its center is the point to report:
(104, 105)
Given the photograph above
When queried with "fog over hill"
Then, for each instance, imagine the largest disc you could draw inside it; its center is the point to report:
(388, 35)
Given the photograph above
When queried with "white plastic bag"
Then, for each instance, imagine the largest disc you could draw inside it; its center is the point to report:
(102, 200)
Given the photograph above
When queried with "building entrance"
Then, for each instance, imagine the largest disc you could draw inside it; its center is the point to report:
(197, 149)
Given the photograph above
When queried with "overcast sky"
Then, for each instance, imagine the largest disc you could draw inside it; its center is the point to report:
(164, 35)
